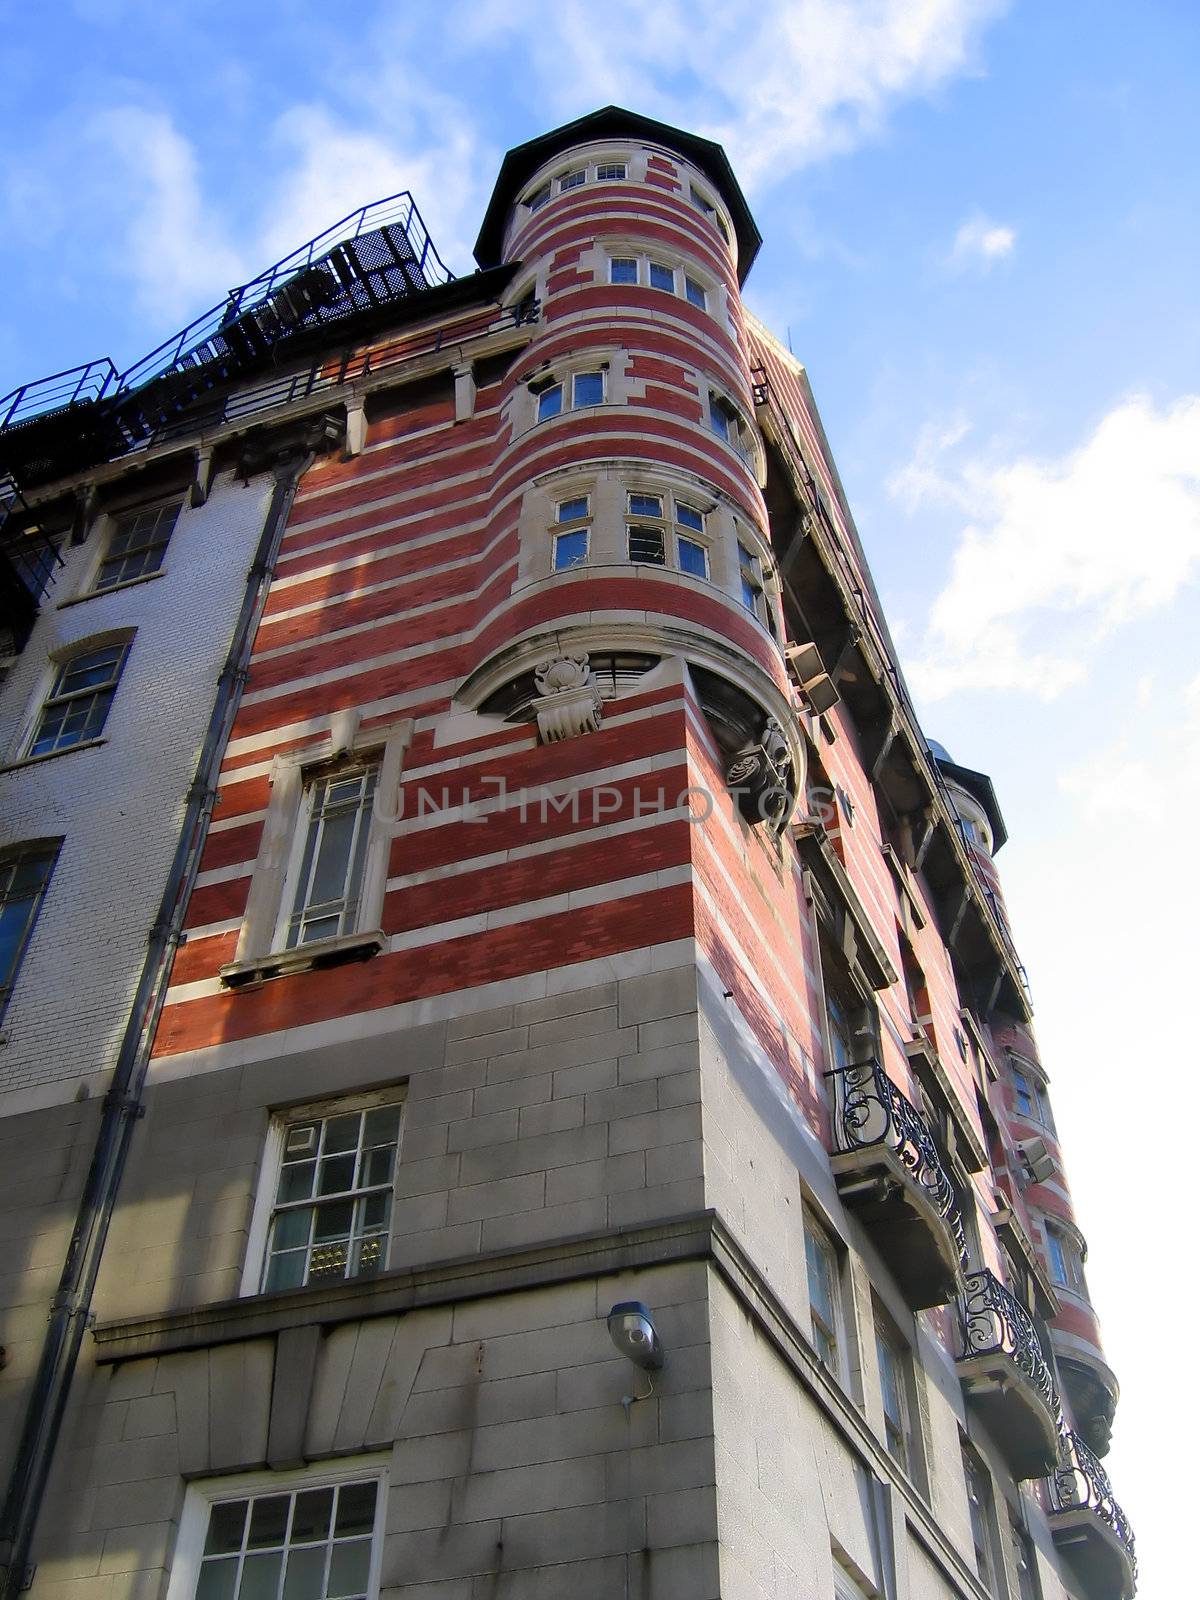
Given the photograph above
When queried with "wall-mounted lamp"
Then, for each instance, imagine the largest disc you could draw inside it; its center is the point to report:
(631, 1328)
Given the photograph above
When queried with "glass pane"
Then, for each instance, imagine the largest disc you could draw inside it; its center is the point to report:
(296, 1181)
(695, 293)
(285, 1271)
(349, 1567)
(571, 180)
(328, 881)
(720, 421)
(693, 558)
(377, 1168)
(550, 402)
(260, 1576)
(623, 269)
(589, 388)
(662, 277)
(326, 927)
(573, 510)
(356, 1508)
(647, 545)
(217, 1579)
(382, 1126)
(570, 550)
(268, 1521)
(341, 1133)
(374, 1211)
(820, 1287)
(337, 1175)
(305, 1576)
(14, 919)
(89, 670)
(689, 517)
(225, 1524)
(645, 505)
(291, 1229)
(329, 1261)
(310, 1520)
(333, 1220)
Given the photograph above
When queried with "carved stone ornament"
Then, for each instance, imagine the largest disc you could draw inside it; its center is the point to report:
(762, 776)
(568, 701)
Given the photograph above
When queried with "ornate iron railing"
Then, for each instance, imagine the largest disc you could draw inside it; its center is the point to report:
(1081, 1483)
(994, 1320)
(871, 1110)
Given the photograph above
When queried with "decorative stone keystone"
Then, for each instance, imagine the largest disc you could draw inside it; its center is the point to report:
(568, 701)
(761, 774)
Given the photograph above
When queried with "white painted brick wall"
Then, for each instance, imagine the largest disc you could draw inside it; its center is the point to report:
(118, 807)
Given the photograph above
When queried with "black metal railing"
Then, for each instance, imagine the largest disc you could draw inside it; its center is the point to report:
(1081, 1483)
(76, 386)
(871, 1111)
(994, 1321)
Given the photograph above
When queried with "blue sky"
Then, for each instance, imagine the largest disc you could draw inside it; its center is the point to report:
(981, 230)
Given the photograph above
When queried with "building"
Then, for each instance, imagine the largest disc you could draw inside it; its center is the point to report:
(582, 921)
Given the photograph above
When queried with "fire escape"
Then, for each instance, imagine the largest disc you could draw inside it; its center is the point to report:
(337, 283)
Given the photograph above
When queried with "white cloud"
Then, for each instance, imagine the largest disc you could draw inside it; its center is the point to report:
(1057, 555)
(781, 86)
(980, 242)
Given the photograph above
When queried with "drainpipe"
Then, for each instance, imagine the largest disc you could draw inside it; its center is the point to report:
(70, 1310)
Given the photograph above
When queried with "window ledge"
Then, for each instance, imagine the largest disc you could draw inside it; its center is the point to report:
(51, 755)
(113, 588)
(253, 970)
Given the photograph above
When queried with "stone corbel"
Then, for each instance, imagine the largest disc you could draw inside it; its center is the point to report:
(464, 392)
(568, 701)
(202, 471)
(356, 428)
(761, 776)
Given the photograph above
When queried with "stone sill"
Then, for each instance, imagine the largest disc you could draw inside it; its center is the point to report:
(52, 755)
(253, 970)
(113, 588)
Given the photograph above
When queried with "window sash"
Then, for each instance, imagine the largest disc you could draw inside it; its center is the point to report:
(978, 1503)
(662, 276)
(572, 180)
(77, 706)
(24, 879)
(822, 1298)
(538, 198)
(338, 826)
(331, 1215)
(693, 557)
(310, 1542)
(695, 293)
(622, 269)
(647, 545)
(137, 545)
(550, 401)
(895, 1402)
(570, 549)
(587, 389)
(610, 171)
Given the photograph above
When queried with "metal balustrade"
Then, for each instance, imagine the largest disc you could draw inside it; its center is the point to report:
(1080, 1483)
(993, 1321)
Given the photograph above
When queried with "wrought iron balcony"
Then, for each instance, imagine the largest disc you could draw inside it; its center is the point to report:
(1090, 1529)
(1006, 1376)
(889, 1169)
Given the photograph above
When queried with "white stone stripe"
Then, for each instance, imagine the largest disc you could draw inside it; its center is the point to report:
(293, 732)
(369, 558)
(483, 922)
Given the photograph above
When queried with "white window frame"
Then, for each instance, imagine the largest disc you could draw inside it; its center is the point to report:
(887, 1339)
(114, 521)
(60, 664)
(260, 953)
(612, 177)
(564, 379)
(203, 1494)
(289, 903)
(564, 526)
(254, 1265)
(825, 1245)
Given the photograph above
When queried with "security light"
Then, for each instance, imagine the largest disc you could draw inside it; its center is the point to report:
(631, 1328)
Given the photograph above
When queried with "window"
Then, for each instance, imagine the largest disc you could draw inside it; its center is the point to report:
(748, 574)
(572, 180)
(24, 877)
(550, 401)
(980, 1506)
(333, 1198)
(538, 198)
(693, 557)
(723, 419)
(1029, 1095)
(623, 269)
(662, 277)
(1025, 1561)
(893, 1382)
(77, 706)
(823, 1297)
(295, 1536)
(332, 849)
(695, 293)
(654, 533)
(137, 545)
(587, 389)
(610, 172)
(571, 545)
(1066, 1260)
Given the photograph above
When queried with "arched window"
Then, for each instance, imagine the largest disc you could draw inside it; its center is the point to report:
(77, 706)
